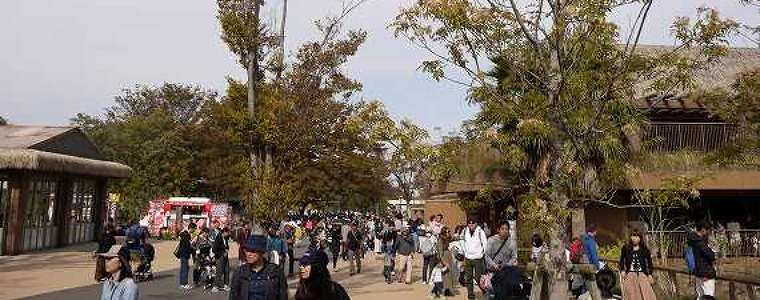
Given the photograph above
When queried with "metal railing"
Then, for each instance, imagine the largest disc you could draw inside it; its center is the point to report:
(673, 136)
(729, 243)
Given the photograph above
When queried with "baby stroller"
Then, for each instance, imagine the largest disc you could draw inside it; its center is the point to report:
(140, 259)
(205, 267)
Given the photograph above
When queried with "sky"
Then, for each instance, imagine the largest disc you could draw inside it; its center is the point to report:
(59, 58)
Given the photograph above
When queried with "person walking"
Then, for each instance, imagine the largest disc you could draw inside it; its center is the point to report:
(277, 248)
(474, 245)
(636, 266)
(242, 235)
(447, 258)
(257, 278)
(333, 242)
(107, 240)
(184, 252)
(590, 246)
(501, 254)
(221, 248)
(353, 246)
(389, 237)
(114, 272)
(429, 250)
(289, 236)
(314, 279)
(405, 249)
(436, 277)
(704, 260)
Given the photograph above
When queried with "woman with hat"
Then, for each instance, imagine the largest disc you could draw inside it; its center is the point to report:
(315, 282)
(258, 279)
(113, 270)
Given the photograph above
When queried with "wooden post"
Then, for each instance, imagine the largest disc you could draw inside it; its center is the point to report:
(674, 280)
(64, 200)
(539, 285)
(578, 222)
(751, 292)
(731, 290)
(18, 192)
(100, 216)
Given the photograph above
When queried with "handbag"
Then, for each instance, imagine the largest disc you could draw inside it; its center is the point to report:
(176, 250)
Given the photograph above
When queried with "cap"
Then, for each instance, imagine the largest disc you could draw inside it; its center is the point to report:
(256, 243)
(113, 252)
(313, 256)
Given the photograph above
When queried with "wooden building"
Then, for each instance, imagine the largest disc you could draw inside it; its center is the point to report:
(52, 188)
(679, 124)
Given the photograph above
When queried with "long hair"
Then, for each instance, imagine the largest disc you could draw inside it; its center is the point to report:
(317, 286)
(445, 236)
(642, 243)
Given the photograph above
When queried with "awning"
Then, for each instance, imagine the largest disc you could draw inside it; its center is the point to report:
(35, 160)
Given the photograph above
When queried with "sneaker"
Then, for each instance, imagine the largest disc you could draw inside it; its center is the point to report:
(226, 288)
(215, 290)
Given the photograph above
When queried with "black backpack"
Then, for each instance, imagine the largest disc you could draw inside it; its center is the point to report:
(353, 240)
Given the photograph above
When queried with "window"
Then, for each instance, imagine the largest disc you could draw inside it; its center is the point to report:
(82, 201)
(40, 208)
(4, 198)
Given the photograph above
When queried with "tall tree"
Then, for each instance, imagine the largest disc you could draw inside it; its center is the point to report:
(149, 129)
(554, 80)
(321, 151)
(243, 33)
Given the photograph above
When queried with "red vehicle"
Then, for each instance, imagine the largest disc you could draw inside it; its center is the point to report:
(164, 213)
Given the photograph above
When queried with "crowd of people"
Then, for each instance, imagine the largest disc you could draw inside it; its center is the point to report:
(467, 255)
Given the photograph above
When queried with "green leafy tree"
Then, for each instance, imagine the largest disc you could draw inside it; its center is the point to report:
(322, 150)
(149, 129)
(3, 121)
(555, 83)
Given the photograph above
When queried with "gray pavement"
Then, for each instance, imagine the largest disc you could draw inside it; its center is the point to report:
(165, 285)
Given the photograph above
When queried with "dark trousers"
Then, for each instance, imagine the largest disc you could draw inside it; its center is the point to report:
(291, 260)
(354, 261)
(473, 269)
(437, 288)
(222, 271)
(428, 263)
(184, 269)
(335, 257)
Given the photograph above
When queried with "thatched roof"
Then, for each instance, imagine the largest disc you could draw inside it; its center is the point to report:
(54, 162)
(23, 137)
(719, 75)
(54, 149)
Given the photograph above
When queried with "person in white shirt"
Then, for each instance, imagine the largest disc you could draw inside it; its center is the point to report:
(436, 277)
(434, 226)
(474, 242)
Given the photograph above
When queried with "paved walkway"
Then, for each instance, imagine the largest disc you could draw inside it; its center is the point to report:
(68, 274)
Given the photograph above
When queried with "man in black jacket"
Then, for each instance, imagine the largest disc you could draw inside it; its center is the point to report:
(258, 279)
(704, 258)
(221, 247)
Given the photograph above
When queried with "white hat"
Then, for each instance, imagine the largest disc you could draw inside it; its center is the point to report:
(113, 252)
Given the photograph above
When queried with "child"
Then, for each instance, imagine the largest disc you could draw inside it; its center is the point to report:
(437, 278)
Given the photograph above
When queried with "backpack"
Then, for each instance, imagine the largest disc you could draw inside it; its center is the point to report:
(688, 256)
(353, 240)
(427, 247)
(576, 251)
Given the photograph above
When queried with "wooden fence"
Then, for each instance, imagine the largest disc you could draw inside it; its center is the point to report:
(672, 280)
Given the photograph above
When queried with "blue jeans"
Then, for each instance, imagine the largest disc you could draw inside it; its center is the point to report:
(184, 269)
(416, 239)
